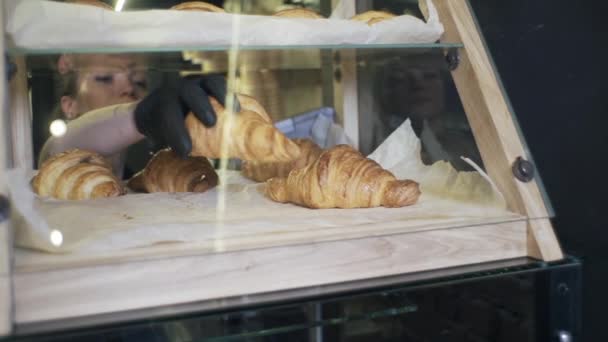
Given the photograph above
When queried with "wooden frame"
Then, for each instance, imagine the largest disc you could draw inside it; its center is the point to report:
(492, 123)
(65, 293)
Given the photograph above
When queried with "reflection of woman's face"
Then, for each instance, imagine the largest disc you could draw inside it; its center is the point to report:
(413, 88)
(105, 80)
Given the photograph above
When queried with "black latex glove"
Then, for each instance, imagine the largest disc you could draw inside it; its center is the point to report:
(160, 116)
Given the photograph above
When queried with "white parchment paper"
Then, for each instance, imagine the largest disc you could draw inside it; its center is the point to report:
(38, 24)
(137, 220)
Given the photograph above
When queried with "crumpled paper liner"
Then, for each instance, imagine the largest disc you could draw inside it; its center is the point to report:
(138, 220)
(400, 154)
(37, 24)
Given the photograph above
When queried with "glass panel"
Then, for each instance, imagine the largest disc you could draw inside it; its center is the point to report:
(296, 87)
(454, 106)
(307, 93)
(416, 86)
(522, 138)
(331, 94)
(17, 51)
(497, 302)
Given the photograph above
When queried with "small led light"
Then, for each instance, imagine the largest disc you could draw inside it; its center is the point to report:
(119, 5)
(58, 128)
(56, 238)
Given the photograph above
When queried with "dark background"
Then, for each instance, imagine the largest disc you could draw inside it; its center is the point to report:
(547, 53)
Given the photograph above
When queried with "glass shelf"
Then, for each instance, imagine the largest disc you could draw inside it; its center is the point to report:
(21, 51)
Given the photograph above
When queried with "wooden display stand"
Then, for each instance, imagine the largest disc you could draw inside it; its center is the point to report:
(125, 284)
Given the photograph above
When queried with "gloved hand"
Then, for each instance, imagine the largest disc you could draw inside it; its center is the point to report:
(160, 116)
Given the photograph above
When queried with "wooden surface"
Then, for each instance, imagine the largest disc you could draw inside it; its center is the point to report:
(492, 124)
(234, 241)
(61, 294)
(21, 118)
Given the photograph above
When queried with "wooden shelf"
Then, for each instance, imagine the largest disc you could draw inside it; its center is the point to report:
(57, 293)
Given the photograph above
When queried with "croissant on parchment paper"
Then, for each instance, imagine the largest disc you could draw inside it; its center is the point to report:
(260, 172)
(167, 172)
(247, 135)
(343, 178)
(76, 175)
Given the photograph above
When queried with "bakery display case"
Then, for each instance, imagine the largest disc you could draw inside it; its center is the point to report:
(364, 146)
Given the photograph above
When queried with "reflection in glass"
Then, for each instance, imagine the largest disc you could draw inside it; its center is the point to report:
(56, 238)
(417, 86)
(58, 128)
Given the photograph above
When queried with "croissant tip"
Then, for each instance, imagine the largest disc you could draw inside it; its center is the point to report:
(401, 193)
(275, 189)
(293, 150)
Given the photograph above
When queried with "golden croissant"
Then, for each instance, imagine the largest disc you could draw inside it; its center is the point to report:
(76, 175)
(167, 172)
(197, 6)
(373, 17)
(298, 13)
(343, 178)
(248, 135)
(260, 172)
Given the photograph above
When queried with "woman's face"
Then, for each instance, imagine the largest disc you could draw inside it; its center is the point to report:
(105, 80)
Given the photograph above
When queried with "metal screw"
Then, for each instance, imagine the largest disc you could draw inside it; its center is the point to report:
(523, 170)
(5, 208)
(453, 59)
(563, 289)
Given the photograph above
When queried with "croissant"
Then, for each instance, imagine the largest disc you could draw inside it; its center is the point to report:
(167, 172)
(343, 178)
(197, 6)
(249, 136)
(373, 17)
(95, 3)
(298, 13)
(260, 172)
(76, 175)
(249, 103)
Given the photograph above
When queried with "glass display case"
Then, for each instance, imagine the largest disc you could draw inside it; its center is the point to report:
(343, 152)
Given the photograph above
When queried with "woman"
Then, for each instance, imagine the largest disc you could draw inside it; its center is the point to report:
(106, 100)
